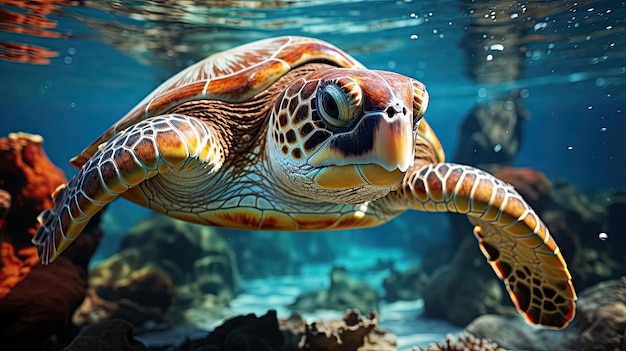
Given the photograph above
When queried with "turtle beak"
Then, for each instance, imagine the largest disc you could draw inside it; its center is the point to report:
(394, 142)
(383, 138)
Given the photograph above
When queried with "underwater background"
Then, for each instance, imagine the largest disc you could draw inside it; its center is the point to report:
(555, 69)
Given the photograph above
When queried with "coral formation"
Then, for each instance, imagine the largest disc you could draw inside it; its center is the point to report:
(140, 296)
(407, 285)
(352, 332)
(36, 301)
(463, 342)
(150, 273)
(27, 177)
(343, 293)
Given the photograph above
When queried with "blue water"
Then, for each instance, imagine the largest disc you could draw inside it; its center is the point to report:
(110, 57)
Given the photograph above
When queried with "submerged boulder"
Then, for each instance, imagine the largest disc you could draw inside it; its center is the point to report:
(343, 293)
(162, 262)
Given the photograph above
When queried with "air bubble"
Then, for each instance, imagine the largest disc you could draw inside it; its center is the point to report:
(603, 236)
(67, 60)
(603, 129)
(524, 93)
(414, 37)
(71, 51)
(570, 147)
(497, 148)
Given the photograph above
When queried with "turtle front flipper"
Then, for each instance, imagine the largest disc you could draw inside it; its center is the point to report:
(515, 241)
(162, 144)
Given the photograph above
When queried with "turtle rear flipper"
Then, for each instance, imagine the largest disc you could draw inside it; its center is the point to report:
(157, 145)
(515, 241)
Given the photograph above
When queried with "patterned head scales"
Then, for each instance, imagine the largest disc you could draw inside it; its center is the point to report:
(346, 131)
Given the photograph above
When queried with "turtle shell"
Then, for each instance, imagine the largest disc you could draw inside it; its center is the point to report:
(234, 75)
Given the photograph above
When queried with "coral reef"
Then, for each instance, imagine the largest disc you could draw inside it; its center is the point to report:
(189, 253)
(137, 297)
(343, 293)
(162, 262)
(36, 301)
(463, 342)
(150, 275)
(407, 285)
(353, 332)
(27, 178)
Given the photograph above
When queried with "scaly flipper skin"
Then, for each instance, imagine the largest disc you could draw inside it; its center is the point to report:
(158, 145)
(517, 244)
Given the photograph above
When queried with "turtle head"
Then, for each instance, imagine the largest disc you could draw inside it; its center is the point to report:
(345, 135)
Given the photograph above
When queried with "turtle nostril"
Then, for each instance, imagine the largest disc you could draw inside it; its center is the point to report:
(393, 109)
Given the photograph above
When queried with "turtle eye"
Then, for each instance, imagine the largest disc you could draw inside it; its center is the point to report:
(335, 105)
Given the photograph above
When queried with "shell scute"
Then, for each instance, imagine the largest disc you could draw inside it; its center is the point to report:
(234, 75)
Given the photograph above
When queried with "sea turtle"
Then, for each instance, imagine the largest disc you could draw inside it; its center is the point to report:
(293, 134)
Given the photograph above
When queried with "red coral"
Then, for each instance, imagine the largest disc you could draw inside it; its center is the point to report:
(36, 301)
(28, 178)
